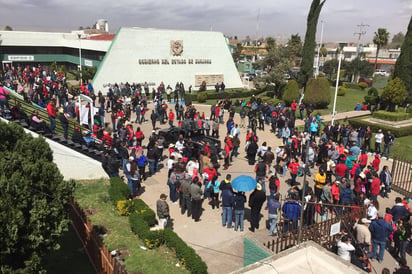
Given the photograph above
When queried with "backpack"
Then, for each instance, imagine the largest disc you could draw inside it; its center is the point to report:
(141, 161)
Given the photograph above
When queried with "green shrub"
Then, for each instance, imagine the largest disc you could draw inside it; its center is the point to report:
(317, 93)
(140, 207)
(185, 253)
(342, 91)
(409, 109)
(391, 116)
(154, 239)
(118, 190)
(370, 99)
(362, 85)
(270, 94)
(291, 92)
(394, 93)
(373, 92)
(201, 97)
(351, 85)
(398, 132)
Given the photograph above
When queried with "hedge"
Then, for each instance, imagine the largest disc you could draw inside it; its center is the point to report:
(154, 239)
(391, 116)
(398, 132)
(342, 91)
(142, 217)
(351, 85)
(232, 93)
(118, 190)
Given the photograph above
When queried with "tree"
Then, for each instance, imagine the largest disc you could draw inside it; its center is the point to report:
(308, 51)
(291, 92)
(380, 39)
(294, 46)
(317, 93)
(360, 67)
(397, 40)
(8, 28)
(34, 201)
(330, 67)
(323, 52)
(394, 93)
(270, 43)
(403, 66)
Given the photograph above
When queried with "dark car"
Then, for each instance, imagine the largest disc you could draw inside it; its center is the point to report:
(171, 135)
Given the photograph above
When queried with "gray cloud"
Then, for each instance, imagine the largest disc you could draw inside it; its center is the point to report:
(234, 17)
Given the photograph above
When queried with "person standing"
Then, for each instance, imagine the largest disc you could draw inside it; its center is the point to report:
(171, 117)
(256, 200)
(196, 195)
(51, 112)
(378, 141)
(227, 204)
(64, 122)
(388, 141)
(274, 208)
(239, 201)
(185, 203)
(293, 168)
(153, 118)
(4, 101)
(380, 230)
(162, 209)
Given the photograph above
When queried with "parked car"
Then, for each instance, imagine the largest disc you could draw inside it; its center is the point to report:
(380, 72)
(366, 80)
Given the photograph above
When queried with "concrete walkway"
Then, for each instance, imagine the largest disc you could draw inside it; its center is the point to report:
(221, 248)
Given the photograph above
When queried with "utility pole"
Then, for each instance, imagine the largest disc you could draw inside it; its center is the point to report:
(257, 34)
(360, 33)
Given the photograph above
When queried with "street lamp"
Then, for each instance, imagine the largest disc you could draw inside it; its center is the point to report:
(340, 56)
(320, 45)
(80, 59)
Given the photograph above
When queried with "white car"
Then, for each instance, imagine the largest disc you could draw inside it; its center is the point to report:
(380, 72)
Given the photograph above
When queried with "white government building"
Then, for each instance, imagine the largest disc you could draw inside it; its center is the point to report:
(134, 55)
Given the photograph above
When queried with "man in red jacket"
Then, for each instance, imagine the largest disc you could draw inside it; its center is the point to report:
(375, 187)
(51, 112)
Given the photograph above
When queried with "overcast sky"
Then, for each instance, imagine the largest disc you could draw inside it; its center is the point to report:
(232, 17)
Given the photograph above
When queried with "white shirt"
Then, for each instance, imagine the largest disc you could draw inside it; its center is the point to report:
(179, 145)
(372, 212)
(344, 250)
(191, 165)
(378, 137)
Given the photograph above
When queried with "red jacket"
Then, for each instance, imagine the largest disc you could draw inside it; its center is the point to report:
(171, 116)
(363, 159)
(51, 110)
(375, 163)
(375, 186)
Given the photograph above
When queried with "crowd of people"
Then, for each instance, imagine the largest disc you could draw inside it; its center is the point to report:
(344, 179)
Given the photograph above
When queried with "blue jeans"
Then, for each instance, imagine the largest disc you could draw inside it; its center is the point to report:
(152, 166)
(273, 220)
(52, 123)
(172, 188)
(227, 216)
(239, 217)
(382, 246)
(132, 185)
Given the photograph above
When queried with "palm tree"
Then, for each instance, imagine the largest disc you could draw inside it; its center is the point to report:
(380, 40)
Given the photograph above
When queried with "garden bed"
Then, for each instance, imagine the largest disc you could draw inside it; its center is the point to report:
(94, 194)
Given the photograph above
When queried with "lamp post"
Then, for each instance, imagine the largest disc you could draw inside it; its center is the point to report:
(80, 59)
(340, 56)
(320, 45)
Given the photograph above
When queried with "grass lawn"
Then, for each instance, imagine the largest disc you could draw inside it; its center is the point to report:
(401, 148)
(95, 194)
(71, 250)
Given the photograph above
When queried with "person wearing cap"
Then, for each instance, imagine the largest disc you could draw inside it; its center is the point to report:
(379, 230)
(256, 200)
(378, 141)
(162, 209)
(363, 235)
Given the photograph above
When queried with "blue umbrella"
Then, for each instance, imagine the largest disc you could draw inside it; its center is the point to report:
(244, 183)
